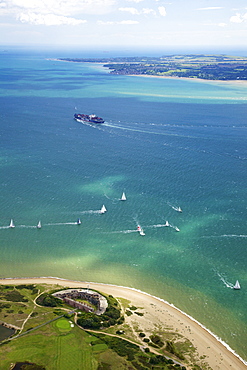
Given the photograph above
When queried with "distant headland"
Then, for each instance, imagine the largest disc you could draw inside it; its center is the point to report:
(198, 66)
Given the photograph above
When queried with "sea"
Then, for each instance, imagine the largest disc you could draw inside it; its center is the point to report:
(167, 143)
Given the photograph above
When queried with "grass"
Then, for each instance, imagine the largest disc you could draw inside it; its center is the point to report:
(100, 347)
(52, 346)
(63, 325)
(124, 302)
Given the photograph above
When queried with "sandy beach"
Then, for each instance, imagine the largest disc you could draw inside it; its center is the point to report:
(157, 313)
(229, 82)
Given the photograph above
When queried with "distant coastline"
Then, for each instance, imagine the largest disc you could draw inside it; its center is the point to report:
(230, 82)
(192, 66)
(207, 344)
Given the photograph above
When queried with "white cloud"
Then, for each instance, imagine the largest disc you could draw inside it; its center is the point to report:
(162, 11)
(48, 19)
(116, 22)
(238, 18)
(129, 10)
(222, 24)
(128, 22)
(105, 23)
(65, 6)
(134, 11)
(211, 8)
(135, 1)
(54, 12)
(148, 11)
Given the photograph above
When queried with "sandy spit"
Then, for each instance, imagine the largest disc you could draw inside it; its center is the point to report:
(230, 82)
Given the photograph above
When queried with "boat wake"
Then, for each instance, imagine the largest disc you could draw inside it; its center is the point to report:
(125, 129)
(224, 236)
(27, 226)
(158, 225)
(123, 232)
(174, 227)
(177, 209)
(61, 223)
(89, 212)
(167, 224)
(227, 284)
(108, 197)
(18, 226)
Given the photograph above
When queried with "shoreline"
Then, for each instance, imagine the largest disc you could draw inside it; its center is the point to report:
(229, 82)
(206, 343)
(233, 82)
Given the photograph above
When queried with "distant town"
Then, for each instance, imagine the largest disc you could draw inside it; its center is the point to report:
(207, 67)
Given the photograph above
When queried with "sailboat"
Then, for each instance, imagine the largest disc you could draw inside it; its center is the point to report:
(103, 209)
(179, 209)
(78, 221)
(167, 223)
(237, 285)
(140, 230)
(123, 196)
(39, 225)
(11, 224)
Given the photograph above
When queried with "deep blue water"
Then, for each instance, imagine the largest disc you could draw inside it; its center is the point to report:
(166, 143)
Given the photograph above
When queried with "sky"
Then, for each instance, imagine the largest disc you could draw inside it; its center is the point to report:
(103, 23)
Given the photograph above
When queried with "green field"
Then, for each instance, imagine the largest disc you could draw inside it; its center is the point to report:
(51, 346)
(63, 325)
(49, 337)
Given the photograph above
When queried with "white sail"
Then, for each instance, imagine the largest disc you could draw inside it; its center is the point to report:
(180, 209)
(123, 196)
(39, 225)
(103, 209)
(78, 221)
(167, 223)
(140, 230)
(11, 224)
(237, 285)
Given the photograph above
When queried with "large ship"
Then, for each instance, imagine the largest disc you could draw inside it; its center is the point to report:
(89, 118)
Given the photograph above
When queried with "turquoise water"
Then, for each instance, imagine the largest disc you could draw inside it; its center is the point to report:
(166, 143)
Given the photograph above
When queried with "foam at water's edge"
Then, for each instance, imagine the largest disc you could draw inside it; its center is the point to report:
(139, 291)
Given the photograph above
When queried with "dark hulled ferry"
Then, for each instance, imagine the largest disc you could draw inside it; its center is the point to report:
(89, 118)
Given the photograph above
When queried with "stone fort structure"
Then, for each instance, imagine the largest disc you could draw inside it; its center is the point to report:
(72, 297)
